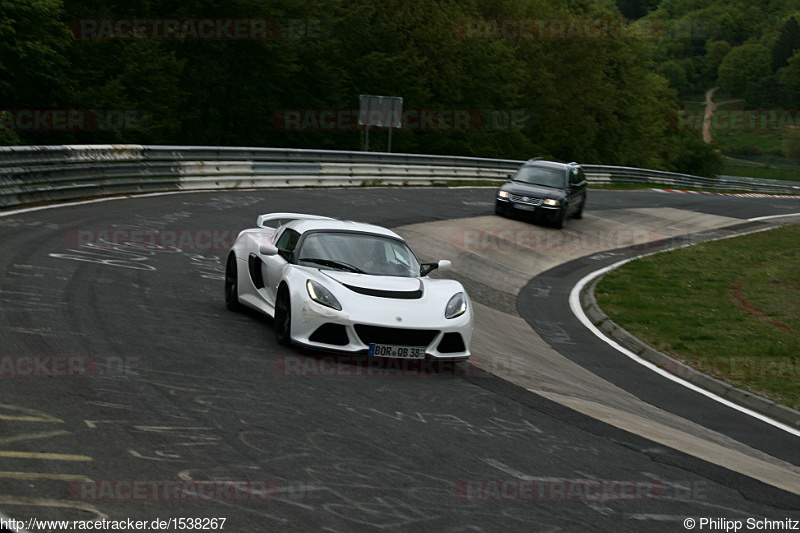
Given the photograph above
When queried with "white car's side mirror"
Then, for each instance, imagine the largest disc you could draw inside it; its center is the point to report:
(268, 249)
(427, 268)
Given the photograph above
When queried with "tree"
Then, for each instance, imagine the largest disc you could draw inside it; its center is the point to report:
(768, 92)
(689, 154)
(33, 67)
(675, 73)
(715, 53)
(790, 79)
(8, 137)
(574, 97)
(785, 45)
(636, 9)
(743, 65)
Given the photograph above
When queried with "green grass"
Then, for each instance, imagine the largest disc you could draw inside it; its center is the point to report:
(734, 132)
(750, 141)
(761, 171)
(735, 135)
(729, 308)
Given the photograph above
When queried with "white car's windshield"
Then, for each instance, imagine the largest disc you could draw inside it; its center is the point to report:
(356, 252)
(541, 176)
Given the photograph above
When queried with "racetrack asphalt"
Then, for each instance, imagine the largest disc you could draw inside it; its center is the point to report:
(184, 390)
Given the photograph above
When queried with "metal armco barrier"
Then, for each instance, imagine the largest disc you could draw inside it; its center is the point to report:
(30, 174)
(610, 174)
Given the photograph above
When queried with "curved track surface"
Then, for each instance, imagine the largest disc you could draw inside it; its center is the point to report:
(181, 390)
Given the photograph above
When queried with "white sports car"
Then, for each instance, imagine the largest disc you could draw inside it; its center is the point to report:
(347, 287)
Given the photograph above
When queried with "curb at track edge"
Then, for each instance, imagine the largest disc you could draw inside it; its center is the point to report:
(584, 306)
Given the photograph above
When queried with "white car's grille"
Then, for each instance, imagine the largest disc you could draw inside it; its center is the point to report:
(401, 336)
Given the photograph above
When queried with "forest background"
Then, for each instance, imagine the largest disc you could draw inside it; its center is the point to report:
(594, 81)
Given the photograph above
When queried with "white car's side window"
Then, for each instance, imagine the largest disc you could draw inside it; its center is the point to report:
(288, 240)
(401, 255)
(277, 235)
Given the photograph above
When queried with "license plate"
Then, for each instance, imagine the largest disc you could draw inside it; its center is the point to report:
(524, 207)
(402, 352)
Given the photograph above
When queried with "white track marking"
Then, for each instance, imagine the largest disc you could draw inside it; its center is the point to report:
(575, 305)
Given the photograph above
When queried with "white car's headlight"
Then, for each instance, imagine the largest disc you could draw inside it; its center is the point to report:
(551, 202)
(457, 306)
(503, 194)
(321, 295)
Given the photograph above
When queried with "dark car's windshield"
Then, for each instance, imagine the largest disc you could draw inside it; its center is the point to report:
(358, 252)
(546, 177)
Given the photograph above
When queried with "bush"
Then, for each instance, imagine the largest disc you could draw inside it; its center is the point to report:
(791, 144)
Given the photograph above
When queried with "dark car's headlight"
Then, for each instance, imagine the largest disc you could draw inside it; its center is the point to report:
(551, 202)
(321, 295)
(457, 306)
(503, 194)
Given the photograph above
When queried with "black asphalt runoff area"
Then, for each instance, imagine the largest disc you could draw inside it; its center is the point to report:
(200, 409)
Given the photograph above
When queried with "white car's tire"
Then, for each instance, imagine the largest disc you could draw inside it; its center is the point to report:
(283, 317)
(232, 285)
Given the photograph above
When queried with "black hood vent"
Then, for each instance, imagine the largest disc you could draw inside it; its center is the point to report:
(379, 293)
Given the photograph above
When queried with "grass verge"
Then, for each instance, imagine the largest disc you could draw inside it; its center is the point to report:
(729, 308)
(761, 172)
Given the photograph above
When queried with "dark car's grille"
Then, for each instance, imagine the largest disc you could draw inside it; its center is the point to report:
(398, 336)
(521, 199)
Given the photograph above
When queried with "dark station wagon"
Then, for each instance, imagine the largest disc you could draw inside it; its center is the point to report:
(544, 191)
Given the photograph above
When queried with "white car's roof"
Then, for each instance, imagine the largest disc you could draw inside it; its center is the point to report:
(303, 225)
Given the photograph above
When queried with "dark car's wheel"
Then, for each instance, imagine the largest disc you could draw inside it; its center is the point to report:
(232, 285)
(283, 317)
(561, 220)
(579, 213)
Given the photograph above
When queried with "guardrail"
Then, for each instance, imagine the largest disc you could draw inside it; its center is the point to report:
(610, 174)
(30, 174)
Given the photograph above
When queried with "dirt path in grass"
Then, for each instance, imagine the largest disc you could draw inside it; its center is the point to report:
(741, 301)
(711, 108)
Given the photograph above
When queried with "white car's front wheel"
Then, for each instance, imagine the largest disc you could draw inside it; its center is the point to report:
(283, 317)
(232, 285)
